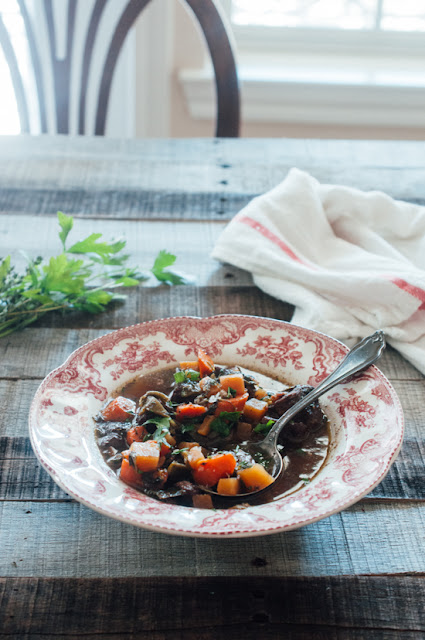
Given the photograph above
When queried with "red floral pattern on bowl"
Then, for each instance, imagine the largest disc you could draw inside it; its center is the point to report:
(365, 415)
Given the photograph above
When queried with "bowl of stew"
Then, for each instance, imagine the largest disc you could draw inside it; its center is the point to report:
(141, 423)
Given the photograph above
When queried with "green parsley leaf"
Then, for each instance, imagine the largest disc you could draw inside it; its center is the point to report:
(179, 376)
(67, 283)
(162, 424)
(264, 427)
(66, 223)
(231, 393)
(224, 423)
(160, 271)
(178, 451)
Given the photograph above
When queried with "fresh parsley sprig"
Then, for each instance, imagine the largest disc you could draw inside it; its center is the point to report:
(82, 277)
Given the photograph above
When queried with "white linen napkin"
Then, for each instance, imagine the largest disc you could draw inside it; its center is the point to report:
(351, 262)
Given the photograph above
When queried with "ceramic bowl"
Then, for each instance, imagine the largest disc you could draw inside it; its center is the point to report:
(365, 417)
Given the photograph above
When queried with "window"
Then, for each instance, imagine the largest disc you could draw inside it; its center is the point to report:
(9, 117)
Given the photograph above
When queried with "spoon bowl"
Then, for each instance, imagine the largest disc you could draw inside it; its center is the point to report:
(360, 357)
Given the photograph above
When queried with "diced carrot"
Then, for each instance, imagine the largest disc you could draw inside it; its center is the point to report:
(233, 381)
(209, 471)
(189, 364)
(232, 404)
(229, 486)
(209, 386)
(255, 477)
(202, 501)
(205, 363)
(136, 434)
(205, 427)
(193, 457)
(145, 455)
(129, 475)
(119, 409)
(260, 393)
(254, 410)
(190, 410)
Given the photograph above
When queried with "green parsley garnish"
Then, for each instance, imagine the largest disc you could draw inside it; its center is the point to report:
(177, 451)
(187, 374)
(83, 277)
(231, 393)
(264, 427)
(305, 479)
(224, 422)
(179, 376)
(162, 424)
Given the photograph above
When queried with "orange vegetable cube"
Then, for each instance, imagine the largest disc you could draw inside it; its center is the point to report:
(189, 364)
(136, 434)
(260, 393)
(145, 455)
(232, 404)
(119, 409)
(255, 477)
(129, 474)
(254, 410)
(190, 410)
(205, 427)
(233, 381)
(209, 471)
(229, 486)
(205, 363)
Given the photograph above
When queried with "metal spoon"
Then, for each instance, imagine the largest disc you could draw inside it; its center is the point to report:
(361, 356)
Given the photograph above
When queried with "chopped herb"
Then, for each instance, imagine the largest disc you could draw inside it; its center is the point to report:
(189, 374)
(305, 479)
(162, 424)
(231, 393)
(83, 277)
(193, 375)
(243, 464)
(225, 421)
(179, 376)
(264, 427)
(301, 452)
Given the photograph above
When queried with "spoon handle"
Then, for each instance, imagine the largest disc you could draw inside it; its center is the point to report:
(361, 356)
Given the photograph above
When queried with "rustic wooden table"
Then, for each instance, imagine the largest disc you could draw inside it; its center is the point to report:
(68, 571)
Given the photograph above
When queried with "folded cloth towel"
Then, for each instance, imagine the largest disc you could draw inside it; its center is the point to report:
(350, 262)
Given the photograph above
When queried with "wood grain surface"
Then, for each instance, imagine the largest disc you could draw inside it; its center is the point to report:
(68, 571)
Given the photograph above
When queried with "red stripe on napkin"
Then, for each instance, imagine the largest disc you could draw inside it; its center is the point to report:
(416, 292)
(257, 226)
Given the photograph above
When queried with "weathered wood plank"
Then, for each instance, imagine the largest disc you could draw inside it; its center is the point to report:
(330, 607)
(196, 179)
(62, 540)
(22, 478)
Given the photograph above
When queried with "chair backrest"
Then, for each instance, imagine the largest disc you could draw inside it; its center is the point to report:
(63, 75)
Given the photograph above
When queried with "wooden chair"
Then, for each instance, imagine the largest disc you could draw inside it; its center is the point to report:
(207, 14)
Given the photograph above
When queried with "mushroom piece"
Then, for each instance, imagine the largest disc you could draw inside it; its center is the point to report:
(153, 401)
